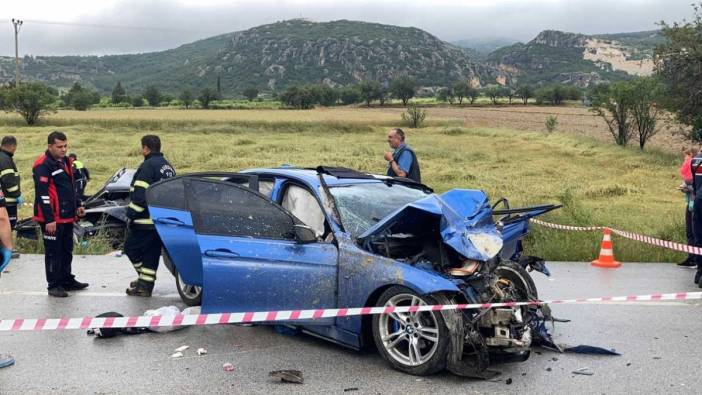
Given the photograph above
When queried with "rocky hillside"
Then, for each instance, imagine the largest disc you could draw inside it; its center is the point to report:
(578, 59)
(272, 57)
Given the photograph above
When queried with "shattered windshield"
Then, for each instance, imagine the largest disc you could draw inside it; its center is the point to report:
(363, 205)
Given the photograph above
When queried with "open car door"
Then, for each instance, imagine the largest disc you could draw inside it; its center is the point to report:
(168, 207)
(252, 259)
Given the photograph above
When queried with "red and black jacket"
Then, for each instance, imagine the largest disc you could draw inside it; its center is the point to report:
(55, 191)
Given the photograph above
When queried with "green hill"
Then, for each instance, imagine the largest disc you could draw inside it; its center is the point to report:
(269, 57)
(578, 59)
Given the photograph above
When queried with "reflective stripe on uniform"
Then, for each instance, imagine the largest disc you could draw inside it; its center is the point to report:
(136, 265)
(6, 172)
(142, 184)
(148, 279)
(10, 200)
(148, 272)
(15, 188)
(144, 221)
(136, 207)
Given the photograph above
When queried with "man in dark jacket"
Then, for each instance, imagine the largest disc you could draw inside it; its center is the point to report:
(143, 245)
(82, 175)
(402, 162)
(56, 207)
(10, 178)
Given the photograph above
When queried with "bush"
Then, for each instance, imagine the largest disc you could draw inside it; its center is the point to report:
(369, 91)
(137, 101)
(30, 99)
(207, 95)
(251, 93)
(187, 98)
(551, 123)
(414, 116)
(80, 98)
(350, 95)
(298, 97)
(445, 95)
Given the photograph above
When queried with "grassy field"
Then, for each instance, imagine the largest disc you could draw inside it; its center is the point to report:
(599, 184)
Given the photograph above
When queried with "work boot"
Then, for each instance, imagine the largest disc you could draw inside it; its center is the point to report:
(142, 289)
(687, 263)
(58, 292)
(698, 274)
(75, 285)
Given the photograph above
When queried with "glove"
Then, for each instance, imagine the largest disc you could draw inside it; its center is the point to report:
(6, 256)
(20, 200)
(690, 205)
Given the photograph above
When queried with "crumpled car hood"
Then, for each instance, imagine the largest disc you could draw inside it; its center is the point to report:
(465, 222)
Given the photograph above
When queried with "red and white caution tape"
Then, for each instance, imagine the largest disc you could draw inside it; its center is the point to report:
(629, 235)
(53, 324)
(567, 227)
(660, 243)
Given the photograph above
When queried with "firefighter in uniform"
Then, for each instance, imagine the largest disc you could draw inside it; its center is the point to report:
(56, 207)
(10, 178)
(696, 167)
(82, 175)
(143, 245)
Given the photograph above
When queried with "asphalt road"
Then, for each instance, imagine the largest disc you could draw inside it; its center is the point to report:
(659, 342)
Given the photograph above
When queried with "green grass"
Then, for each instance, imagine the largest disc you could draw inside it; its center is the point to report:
(598, 184)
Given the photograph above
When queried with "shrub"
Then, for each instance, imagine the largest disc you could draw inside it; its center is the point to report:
(414, 116)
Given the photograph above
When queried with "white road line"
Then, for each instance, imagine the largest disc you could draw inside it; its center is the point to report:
(84, 294)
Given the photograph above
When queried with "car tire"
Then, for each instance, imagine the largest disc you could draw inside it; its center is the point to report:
(519, 277)
(420, 345)
(191, 295)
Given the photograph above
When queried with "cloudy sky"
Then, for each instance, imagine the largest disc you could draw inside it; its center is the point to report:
(62, 27)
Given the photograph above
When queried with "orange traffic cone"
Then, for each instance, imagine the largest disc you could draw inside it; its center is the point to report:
(606, 258)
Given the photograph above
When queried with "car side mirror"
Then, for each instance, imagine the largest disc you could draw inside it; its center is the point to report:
(305, 234)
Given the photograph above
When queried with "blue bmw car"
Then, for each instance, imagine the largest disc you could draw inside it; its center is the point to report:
(295, 238)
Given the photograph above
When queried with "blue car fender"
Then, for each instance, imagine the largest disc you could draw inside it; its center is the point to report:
(363, 276)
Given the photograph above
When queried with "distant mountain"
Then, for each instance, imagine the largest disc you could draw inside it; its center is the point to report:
(484, 46)
(555, 56)
(271, 57)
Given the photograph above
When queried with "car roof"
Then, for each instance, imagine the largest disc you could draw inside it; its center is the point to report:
(311, 177)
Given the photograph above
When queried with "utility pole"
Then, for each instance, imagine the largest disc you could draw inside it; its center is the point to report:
(17, 23)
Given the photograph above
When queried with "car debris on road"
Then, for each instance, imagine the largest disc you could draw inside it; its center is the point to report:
(288, 376)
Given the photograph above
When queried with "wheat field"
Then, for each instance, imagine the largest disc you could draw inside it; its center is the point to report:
(599, 183)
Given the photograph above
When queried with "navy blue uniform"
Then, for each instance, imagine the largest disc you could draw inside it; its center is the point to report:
(56, 201)
(143, 245)
(696, 166)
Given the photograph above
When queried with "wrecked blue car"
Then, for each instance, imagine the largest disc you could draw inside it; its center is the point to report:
(293, 238)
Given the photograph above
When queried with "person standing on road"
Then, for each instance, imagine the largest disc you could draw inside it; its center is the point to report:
(56, 206)
(81, 174)
(696, 171)
(143, 245)
(686, 188)
(402, 162)
(5, 255)
(10, 180)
